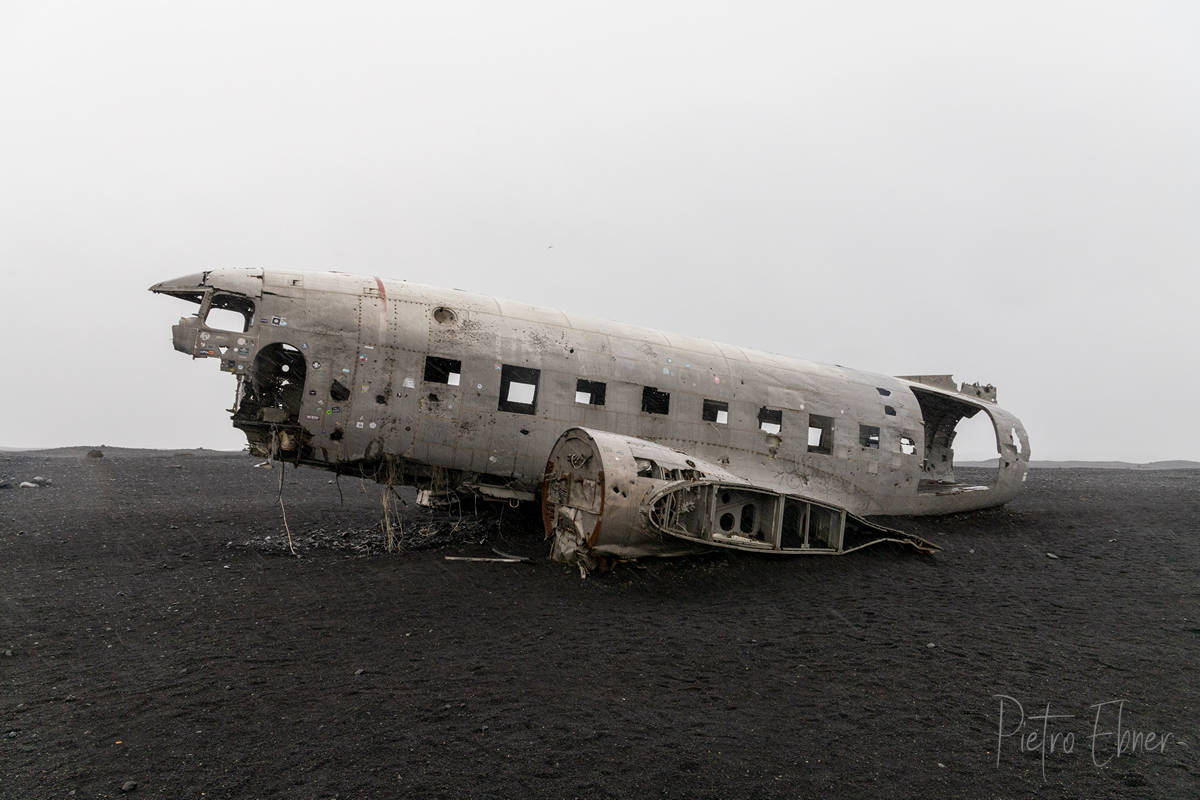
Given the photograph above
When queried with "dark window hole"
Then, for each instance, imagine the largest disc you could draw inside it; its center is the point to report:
(443, 370)
(589, 392)
(339, 392)
(654, 401)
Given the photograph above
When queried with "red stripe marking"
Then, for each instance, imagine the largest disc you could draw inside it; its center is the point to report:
(382, 291)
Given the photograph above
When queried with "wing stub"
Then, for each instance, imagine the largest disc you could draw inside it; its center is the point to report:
(607, 496)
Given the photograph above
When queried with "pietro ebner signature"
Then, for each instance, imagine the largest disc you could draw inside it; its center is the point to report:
(1110, 736)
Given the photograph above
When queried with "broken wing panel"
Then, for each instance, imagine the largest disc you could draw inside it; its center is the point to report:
(753, 518)
(608, 495)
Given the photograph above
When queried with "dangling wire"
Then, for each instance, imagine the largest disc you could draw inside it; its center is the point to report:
(389, 533)
(282, 468)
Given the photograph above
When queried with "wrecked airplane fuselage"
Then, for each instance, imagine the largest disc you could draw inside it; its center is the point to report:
(639, 442)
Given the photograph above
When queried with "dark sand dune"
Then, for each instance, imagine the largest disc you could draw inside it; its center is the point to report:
(151, 632)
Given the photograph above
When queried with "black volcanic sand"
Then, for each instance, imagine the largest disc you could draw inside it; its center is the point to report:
(151, 632)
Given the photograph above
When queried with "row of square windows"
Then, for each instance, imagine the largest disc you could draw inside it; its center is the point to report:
(519, 386)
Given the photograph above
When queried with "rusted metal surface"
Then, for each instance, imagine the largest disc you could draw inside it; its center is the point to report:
(444, 389)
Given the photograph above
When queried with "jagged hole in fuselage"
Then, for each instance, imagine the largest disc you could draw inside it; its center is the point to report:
(275, 387)
(956, 431)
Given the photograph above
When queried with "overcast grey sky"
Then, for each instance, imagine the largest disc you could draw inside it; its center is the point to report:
(1008, 192)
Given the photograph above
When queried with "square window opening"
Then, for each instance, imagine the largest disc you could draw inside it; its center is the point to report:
(716, 411)
(225, 319)
(518, 389)
(820, 434)
(868, 436)
(770, 420)
(443, 370)
(589, 392)
(654, 401)
(229, 313)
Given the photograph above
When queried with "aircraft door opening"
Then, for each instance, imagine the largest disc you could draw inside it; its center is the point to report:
(275, 389)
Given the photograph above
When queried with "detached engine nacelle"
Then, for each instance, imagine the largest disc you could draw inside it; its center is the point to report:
(610, 496)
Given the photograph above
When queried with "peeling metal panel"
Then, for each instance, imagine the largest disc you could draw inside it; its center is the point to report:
(936, 381)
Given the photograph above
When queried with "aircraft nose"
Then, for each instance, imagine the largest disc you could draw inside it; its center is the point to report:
(189, 287)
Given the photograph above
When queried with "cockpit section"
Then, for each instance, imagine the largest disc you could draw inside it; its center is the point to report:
(232, 326)
(223, 326)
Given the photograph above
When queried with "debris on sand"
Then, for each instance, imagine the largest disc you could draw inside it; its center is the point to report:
(128, 786)
(512, 556)
(425, 533)
(438, 531)
(501, 557)
(95, 453)
(37, 482)
(490, 559)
